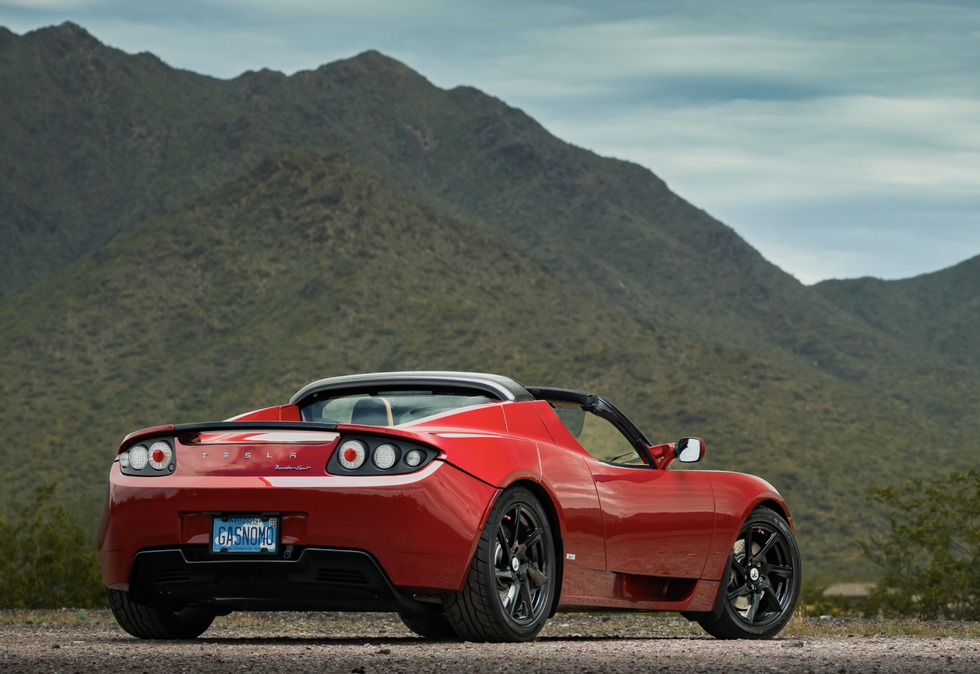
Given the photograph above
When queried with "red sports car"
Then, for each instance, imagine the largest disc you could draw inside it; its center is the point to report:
(473, 506)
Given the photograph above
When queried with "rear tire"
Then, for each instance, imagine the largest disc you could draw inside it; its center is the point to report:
(512, 580)
(144, 622)
(428, 625)
(762, 582)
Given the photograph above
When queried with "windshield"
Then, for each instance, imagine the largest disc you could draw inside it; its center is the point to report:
(388, 408)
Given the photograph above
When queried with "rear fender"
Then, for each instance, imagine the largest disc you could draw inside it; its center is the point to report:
(498, 461)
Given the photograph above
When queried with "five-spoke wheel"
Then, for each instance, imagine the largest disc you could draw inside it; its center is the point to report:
(763, 580)
(511, 584)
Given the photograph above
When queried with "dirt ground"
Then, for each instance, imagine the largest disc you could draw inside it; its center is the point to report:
(69, 641)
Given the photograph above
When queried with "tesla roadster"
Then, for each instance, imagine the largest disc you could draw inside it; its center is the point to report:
(473, 506)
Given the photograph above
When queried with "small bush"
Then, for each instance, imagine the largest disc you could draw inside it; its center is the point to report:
(931, 555)
(45, 561)
(814, 603)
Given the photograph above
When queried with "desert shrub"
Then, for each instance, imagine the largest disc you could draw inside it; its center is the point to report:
(45, 561)
(814, 603)
(931, 554)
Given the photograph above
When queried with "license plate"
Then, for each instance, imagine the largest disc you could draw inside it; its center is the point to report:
(244, 534)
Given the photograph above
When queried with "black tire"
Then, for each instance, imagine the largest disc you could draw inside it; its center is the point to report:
(499, 602)
(762, 588)
(429, 625)
(144, 622)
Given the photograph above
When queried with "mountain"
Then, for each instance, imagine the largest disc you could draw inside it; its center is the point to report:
(308, 266)
(938, 312)
(95, 141)
(169, 253)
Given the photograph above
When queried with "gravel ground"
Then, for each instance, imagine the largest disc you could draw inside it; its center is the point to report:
(70, 641)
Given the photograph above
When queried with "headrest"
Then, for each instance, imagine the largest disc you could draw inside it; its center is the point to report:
(372, 412)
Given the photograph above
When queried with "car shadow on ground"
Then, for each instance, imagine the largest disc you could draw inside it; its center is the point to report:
(312, 640)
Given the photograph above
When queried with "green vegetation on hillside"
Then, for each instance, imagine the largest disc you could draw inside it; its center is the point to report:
(45, 561)
(166, 255)
(938, 312)
(102, 140)
(309, 267)
(96, 141)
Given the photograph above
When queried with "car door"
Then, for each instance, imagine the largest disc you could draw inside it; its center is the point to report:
(656, 522)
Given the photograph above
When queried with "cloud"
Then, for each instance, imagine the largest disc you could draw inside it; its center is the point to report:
(49, 5)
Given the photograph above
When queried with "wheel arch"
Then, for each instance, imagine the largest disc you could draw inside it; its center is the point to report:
(777, 507)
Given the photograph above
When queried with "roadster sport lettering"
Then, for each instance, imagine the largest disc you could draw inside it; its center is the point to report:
(473, 506)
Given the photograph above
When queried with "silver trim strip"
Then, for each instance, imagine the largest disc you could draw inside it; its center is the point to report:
(503, 387)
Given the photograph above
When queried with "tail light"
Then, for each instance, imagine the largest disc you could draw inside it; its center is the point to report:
(387, 457)
(160, 455)
(352, 454)
(155, 459)
(384, 456)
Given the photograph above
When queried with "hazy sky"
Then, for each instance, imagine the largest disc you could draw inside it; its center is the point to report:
(841, 139)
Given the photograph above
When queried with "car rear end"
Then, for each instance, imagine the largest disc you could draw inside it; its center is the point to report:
(288, 515)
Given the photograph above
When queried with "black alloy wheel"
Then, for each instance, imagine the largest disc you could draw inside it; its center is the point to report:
(511, 585)
(763, 577)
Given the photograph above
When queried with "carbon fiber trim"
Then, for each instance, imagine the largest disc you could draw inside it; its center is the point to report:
(503, 388)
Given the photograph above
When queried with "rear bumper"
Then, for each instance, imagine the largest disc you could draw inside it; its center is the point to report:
(421, 529)
(319, 579)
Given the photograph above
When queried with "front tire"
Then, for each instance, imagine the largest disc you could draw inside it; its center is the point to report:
(511, 584)
(144, 622)
(764, 575)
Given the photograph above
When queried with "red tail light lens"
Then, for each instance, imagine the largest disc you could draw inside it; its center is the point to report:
(160, 455)
(352, 454)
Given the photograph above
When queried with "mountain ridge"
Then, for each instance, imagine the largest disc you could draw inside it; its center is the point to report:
(612, 228)
(938, 311)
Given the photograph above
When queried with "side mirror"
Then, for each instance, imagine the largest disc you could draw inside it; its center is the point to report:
(689, 450)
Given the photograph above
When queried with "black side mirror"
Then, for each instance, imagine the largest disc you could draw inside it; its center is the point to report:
(689, 450)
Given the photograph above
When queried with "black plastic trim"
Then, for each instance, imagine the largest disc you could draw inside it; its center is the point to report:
(601, 408)
(318, 579)
(560, 544)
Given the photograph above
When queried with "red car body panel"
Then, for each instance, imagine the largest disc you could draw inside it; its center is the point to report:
(633, 538)
(420, 527)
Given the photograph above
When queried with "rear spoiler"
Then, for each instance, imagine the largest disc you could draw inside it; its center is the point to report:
(222, 427)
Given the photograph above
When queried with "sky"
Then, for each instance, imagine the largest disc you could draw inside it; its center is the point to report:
(840, 139)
